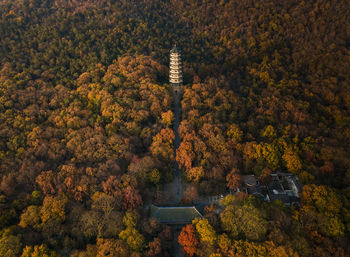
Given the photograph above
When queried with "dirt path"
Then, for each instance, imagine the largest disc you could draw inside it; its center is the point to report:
(176, 246)
(176, 185)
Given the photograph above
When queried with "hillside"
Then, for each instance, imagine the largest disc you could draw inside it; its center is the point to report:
(86, 125)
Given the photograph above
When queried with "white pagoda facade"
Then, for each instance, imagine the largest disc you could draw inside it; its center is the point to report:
(175, 71)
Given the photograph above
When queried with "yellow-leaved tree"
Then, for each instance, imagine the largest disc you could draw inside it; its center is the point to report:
(205, 231)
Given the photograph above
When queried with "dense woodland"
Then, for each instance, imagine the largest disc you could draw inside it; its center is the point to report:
(86, 135)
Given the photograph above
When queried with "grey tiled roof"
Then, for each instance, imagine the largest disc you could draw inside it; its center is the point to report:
(175, 215)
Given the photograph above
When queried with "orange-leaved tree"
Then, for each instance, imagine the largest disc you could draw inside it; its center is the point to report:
(188, 240)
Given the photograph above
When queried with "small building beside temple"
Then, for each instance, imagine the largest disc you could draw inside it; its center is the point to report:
(285, 187)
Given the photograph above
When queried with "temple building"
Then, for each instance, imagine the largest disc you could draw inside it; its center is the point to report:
(175, 71)
(175, 215)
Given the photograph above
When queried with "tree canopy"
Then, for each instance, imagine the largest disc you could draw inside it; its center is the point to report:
(87, 119)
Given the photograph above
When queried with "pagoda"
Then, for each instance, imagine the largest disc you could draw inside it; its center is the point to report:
(175, 72)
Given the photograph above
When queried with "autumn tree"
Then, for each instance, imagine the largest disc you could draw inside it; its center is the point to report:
(205, 231)
(195, 174)
(36, 198)
(225, 243)
(104, 203)
(53, 209)
(154, 176)
(269, 132)
(265, 176)
(155, 248)
(162, 144)
(131, 218)
(131, 198)
(10, 244)
(188, 239)
(80, 100)
(47, 182)
(190, 194)
(292, 160)
(38, 251)
(245, 220)
(327, 168)
(167, 118)
(113, 187)
(233, 180)
(111, 247)
(133, 238)
(103, 219)
(234, 132)
(30, 217)
(320, 209)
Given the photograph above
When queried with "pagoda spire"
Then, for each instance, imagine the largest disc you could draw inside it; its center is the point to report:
(175, 69)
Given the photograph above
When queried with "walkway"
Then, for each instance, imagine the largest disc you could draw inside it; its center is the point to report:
(176, 185)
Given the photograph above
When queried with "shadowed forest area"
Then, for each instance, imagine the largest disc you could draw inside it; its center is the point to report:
(86, 125)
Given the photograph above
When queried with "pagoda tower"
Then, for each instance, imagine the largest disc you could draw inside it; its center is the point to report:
(175, 71)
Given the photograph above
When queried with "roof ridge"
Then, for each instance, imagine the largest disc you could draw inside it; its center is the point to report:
(197, 211)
